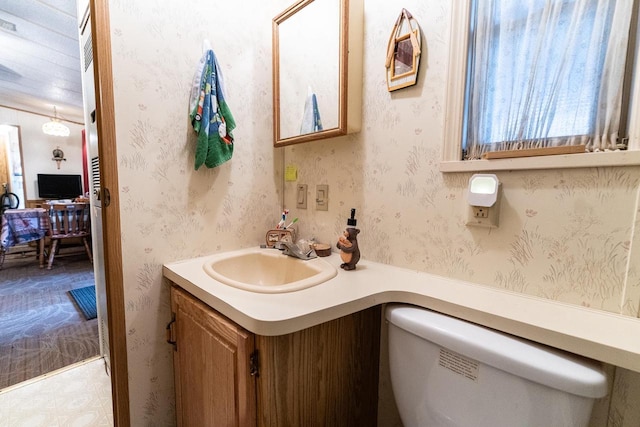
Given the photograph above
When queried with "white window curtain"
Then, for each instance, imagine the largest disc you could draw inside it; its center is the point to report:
(545, 73)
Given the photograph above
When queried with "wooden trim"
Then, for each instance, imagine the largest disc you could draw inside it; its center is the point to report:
(49, 116)
(533, 152)
(349, 79)
(562, 161)
(275, 78)
(454, 116)
(275, 40)
(343, 76)
(454, 113)
(409, 78)
(34, 203)
(354, 19)
(105, 114)
(393, 59)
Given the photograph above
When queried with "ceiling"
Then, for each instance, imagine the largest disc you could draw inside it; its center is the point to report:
(40, 57)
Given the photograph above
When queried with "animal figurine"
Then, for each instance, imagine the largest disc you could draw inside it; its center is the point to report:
(348, 245)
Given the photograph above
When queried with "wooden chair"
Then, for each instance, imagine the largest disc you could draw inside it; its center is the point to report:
(68, 221)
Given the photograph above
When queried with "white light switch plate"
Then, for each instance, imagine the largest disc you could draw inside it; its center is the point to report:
(322, 197)
(301, 196)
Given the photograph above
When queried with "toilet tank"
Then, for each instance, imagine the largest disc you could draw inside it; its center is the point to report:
(446, 372)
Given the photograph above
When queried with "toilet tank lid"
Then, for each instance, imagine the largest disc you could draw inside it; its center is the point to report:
(536, 362)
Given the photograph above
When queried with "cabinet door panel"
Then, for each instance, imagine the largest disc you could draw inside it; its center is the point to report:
(326, 375)
(211, 362)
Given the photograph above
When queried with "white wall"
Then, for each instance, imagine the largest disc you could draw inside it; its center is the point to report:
(37, 147)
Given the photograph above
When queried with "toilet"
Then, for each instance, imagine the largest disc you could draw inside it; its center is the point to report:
(446, 372)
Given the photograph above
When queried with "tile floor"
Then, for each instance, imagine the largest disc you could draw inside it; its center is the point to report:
(76, 396)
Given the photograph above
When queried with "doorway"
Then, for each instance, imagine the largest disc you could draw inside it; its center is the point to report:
(43, 326)
(112, 249)
(11, 164)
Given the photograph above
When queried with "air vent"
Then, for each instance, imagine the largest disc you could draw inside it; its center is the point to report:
(95, 174)
(88, 52)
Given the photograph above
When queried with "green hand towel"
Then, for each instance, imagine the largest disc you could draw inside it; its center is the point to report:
(211, 117)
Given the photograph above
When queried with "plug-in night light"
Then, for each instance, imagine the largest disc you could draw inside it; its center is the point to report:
(483, 190)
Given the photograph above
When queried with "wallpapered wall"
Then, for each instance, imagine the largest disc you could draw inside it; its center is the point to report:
(565, 235)
(168, 210)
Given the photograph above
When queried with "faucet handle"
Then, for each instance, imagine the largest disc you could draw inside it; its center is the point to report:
(293, 250)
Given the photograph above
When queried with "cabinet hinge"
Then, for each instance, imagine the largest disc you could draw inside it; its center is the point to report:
(171, 339)
(254, 365)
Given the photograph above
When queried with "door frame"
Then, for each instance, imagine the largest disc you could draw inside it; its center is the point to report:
(107, 151)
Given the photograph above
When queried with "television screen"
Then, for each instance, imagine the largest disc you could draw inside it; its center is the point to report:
(52, 186)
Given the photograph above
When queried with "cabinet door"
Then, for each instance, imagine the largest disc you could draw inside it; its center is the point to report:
(326, 375)
(211, 361)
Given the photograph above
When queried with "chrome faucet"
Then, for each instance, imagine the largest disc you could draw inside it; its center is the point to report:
(293, 250)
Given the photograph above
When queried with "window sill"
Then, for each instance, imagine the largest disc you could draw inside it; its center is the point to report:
(564, 161)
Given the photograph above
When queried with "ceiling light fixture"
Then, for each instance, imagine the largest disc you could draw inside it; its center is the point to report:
(55, 126)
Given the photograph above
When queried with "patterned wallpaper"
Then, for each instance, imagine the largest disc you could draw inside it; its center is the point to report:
(168, 210)
(565, 234)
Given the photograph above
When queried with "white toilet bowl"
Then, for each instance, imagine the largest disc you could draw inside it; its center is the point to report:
(446, 372)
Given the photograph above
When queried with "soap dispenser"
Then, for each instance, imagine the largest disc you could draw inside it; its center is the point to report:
(348, 244)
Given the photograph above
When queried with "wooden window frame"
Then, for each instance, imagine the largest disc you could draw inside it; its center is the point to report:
(454, 117)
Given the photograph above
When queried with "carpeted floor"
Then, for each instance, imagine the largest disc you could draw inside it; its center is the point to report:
(41, 329)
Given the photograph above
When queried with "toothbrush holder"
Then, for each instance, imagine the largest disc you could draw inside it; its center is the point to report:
(275, 236)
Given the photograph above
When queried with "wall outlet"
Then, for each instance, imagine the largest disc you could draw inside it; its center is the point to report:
(480, 212)
(480, 216)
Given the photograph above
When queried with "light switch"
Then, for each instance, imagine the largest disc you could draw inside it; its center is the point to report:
(301, 196)
(322, 197)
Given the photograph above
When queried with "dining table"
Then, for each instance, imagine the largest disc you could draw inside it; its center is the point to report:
(21, 226)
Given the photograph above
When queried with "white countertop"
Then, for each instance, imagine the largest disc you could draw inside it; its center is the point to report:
(600, 335)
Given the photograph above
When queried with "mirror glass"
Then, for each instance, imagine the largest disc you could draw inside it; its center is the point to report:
(309, 96)
(403, 52)
(403, 58)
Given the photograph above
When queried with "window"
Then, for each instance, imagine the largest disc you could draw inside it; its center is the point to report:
(538, 74)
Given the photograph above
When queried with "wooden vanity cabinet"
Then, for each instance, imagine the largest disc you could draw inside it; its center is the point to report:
(326, 375)
(211, 366)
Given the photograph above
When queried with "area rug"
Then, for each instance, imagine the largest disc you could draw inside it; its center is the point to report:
(85, 298)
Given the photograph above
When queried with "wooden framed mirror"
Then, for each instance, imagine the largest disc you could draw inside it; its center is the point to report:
(403, 52)
(317, 70)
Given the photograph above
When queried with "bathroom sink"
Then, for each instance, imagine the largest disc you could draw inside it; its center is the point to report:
(268, 271)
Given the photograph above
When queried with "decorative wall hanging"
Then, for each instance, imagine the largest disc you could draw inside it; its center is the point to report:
(403, 52)
(58, 156)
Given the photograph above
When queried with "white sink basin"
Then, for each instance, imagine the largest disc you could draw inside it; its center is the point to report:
(268, 271)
